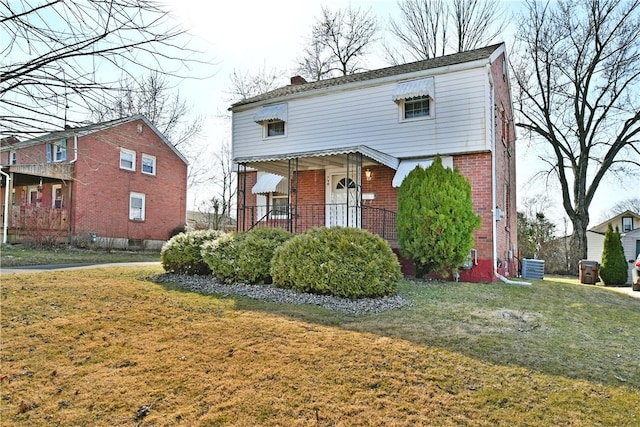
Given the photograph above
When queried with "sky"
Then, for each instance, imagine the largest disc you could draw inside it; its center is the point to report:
(250, 35)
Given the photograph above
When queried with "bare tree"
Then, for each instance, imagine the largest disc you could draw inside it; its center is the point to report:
(421, 30)
(218, 209)
(154, 97)
(339, 40)
(578, 77)
(476, 22)
(430, 28)
(245, 85)
(60, 56)
(632, 205)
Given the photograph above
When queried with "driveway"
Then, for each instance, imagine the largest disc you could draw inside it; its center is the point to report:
(61, 267)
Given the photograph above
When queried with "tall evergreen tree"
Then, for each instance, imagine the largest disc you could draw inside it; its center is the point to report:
(436, 219)
(613, 271)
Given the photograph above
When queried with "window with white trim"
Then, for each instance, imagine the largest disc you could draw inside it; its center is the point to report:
(127, 159)
(273, 128)
(13, 157)
(56, 197)
(57, 152)
(148, 164)
(136, 206)
(416, 108)
(279, 206)
(627, 223)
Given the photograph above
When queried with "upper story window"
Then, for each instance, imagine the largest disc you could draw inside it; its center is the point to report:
(57, 152)
(627, 223)
(148, 164)
(13, 157)
(127, 159)
(273, 119)
(416, 107)
(414, 99)
(274, 128)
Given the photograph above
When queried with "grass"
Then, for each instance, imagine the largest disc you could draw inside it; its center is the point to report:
(19, 255)
(105, 347)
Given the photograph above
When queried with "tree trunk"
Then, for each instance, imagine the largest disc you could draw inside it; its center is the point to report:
(578, 242)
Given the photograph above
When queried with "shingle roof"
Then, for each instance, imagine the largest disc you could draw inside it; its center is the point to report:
(441, 61)
(85, 130)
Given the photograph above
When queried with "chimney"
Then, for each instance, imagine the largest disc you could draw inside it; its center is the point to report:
(298, 80)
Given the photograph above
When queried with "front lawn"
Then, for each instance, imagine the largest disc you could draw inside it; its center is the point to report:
(20, 255)
(103, 347)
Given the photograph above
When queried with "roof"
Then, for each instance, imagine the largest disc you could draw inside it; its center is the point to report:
(484, 53)
(89, 129)
(601, 228)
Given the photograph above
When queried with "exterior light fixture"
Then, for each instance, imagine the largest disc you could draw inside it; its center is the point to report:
(367, 174)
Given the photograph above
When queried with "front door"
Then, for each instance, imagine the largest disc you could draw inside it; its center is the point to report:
(342, 201)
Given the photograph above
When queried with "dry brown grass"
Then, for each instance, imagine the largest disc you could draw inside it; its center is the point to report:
(101, 348)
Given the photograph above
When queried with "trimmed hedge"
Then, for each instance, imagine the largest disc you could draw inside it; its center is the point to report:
(244, 257)
(181, 254)
(220, 256)
(346, 262)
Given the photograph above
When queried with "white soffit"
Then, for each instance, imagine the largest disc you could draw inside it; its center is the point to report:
(406, 166)
(413, 89)
(268, 183)
(271, 112)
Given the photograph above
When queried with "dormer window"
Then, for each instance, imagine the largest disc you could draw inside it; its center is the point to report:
(273, 119)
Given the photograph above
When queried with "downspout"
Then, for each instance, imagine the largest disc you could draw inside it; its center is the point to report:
(494, 228)
(5, 225)
(72, 223)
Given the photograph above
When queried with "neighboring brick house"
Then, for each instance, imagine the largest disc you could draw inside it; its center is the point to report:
(334, 152)
(119, 184)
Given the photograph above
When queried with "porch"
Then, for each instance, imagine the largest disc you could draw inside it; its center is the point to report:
(302, 217)
(347, 187)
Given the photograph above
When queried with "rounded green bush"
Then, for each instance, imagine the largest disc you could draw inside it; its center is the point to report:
(346, 262)
(244, 257)
(255, 252)
(221, 255)
(181, 254)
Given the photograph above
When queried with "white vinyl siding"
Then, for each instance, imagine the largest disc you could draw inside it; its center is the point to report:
(338, 119)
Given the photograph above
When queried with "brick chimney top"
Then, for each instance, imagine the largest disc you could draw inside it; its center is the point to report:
(298, 80)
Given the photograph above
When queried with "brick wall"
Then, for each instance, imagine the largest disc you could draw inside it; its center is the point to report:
(100, 197)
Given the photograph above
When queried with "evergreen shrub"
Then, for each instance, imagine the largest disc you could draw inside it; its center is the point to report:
(181, 254)
(614, 268)
(436, 219)
(345, 262)
(244, 257)
(220, 256)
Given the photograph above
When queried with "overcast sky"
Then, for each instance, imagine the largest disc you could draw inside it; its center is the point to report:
(249, 35)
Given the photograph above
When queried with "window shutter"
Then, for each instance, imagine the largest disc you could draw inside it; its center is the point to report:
(49, 153)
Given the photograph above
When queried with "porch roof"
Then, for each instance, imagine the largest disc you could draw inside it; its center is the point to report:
(407, 165)
(318, 159)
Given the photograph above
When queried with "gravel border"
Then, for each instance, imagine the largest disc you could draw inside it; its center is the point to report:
(209, 285)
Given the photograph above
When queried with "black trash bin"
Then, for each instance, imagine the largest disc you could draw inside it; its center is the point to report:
(588, 274)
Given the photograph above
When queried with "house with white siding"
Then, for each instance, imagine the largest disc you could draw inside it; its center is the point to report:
(334, 152)
(628, 224)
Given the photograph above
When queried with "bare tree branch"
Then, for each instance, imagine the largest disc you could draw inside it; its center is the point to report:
(578, 76)
(60, 57)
